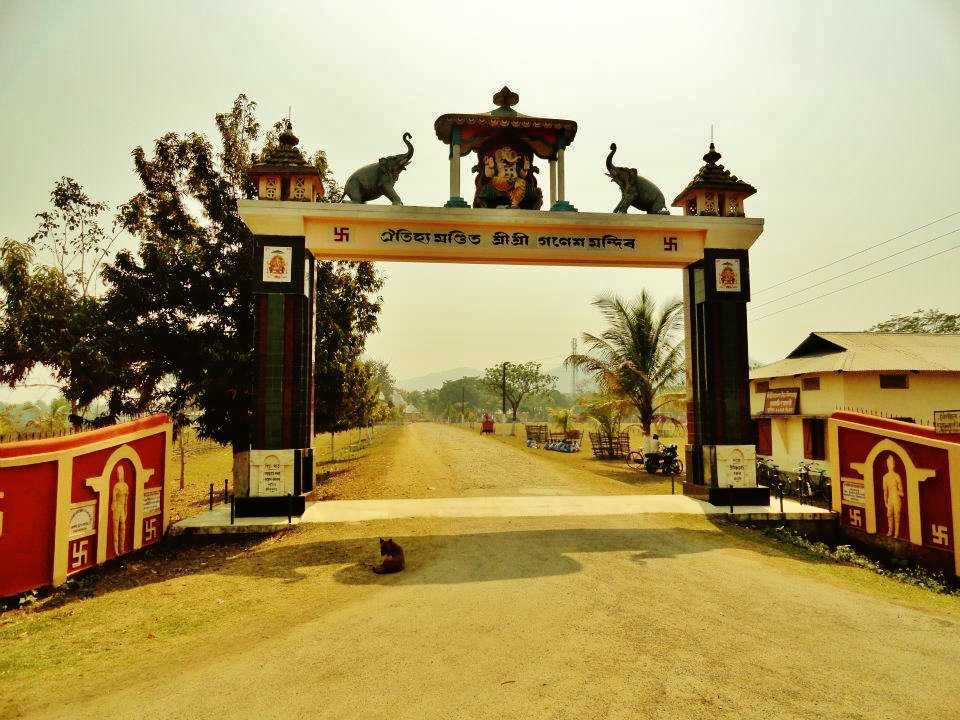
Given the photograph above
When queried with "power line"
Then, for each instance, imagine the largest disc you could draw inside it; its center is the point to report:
(858, 252)
(856, 269)
(859, 282)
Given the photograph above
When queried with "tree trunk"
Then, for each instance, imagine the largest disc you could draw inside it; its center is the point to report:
(182, 459)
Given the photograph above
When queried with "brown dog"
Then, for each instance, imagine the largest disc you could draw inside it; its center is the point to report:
(391, 557)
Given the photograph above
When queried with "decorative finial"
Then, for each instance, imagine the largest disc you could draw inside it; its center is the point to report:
(287, 138)
(712, 156)
(506, 98)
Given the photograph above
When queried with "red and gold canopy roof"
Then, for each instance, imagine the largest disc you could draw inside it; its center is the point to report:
(545, 136)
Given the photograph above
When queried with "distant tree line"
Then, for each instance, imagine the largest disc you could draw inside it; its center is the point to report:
(522, 387)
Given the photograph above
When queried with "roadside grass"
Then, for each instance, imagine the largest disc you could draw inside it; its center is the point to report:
(349, 462)
(639, 481)
(207, 462)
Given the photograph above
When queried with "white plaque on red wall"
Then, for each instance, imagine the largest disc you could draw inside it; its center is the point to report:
(277, 262)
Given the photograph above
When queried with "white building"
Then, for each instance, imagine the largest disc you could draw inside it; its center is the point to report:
(899, 375)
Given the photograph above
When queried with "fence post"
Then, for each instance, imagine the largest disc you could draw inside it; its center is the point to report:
(211, 496)
(233, 508)
(730, 496)
(780, 488)
(225, 483)
(289, 508)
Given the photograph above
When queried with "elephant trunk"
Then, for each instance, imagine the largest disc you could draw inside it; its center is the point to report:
(610, 166)
(406, 139)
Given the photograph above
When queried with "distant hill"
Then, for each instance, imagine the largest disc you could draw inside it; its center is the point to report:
(437, 379)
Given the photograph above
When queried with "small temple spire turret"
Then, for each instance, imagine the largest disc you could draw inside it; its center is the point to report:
(284, 174)
(714, 190)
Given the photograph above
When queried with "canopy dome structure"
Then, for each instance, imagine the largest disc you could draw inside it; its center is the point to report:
(546, 136)
(505, 142)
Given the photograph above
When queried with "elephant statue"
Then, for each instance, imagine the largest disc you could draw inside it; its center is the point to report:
(637, 190)
(376, 179)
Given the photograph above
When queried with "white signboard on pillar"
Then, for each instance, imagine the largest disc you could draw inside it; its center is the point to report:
(271, 472)
(737, 466)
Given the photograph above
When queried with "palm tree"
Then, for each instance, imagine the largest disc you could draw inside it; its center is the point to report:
(638, 356)
(52, 418)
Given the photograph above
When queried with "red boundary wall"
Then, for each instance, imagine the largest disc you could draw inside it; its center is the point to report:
(897, 484)
(70, 503)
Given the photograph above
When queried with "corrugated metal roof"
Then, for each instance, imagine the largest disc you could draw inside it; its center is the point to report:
(867, 352)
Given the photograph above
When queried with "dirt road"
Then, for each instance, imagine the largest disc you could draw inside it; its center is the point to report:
(432, 460)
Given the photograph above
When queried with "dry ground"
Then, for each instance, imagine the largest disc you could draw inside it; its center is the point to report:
(609, 617)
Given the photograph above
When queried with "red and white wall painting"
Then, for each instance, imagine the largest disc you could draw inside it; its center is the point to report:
(67, 504)
(897, 480)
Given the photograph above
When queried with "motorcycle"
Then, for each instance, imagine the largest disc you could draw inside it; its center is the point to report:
(667, 461)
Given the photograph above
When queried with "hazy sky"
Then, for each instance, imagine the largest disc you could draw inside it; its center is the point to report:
(844, 116)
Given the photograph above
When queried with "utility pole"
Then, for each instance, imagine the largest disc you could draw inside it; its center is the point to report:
(573, 370)
(503, 390)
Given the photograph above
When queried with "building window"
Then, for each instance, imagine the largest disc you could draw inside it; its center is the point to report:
(761, 386)
(893, 382)
(815, 439)
(810, 383)
(764, 437)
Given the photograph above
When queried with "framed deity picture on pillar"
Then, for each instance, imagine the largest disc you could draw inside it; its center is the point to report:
(279, 264)
(726, 275)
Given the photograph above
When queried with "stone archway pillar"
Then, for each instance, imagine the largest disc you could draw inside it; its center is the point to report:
(716, 293)
(281, 454)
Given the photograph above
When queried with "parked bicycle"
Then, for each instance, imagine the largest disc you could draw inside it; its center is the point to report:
(769, 475)
(635, 460)
(804, 486)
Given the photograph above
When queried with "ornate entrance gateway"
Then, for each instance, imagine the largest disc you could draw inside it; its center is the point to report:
(293, 230)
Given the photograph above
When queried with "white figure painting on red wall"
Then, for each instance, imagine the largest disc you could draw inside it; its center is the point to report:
(892, 497)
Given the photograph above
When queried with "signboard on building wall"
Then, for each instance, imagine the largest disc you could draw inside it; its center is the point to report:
(947, 422)
(782, 401)
(69, 503)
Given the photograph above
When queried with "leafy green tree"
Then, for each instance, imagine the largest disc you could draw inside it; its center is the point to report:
(47, 292)
(637, 357)
(520, 381)
(921, 321)
(180, 310)
(465, 398)
(50, 418)
(347, 308)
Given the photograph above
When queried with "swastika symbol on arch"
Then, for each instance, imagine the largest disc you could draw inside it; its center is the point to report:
(150, 530)
(341, 234)
(939, 534)
(670, 244)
